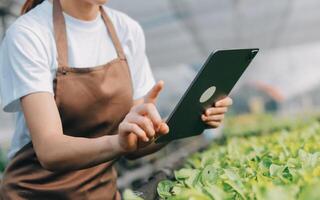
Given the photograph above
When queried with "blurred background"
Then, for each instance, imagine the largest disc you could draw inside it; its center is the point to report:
(283, 79)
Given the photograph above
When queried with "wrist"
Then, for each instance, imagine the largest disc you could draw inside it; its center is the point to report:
(116, 145)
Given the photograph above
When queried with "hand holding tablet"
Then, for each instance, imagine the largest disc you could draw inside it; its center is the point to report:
(213, 82)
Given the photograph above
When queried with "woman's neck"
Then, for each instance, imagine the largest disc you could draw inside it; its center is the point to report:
(80, 9)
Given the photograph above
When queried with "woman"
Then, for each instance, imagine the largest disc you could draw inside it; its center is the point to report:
(78, 77)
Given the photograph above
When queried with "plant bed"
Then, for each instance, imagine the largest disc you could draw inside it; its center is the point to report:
(276, 163)
(163, 168)
(284, 164)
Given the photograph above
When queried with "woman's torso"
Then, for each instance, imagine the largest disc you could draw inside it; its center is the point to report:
(88, 45)
(91, 102)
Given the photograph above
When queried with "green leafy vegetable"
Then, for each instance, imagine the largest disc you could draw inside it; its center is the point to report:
(269, 159)
(130, 195)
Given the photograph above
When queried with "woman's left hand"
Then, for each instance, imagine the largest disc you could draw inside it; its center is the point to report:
(214, 116)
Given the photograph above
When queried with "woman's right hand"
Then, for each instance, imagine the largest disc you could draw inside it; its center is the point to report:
(143, 123)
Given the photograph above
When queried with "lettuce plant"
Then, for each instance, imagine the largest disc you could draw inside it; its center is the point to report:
(282, 163)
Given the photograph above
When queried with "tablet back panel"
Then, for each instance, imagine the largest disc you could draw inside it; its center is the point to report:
(220, 72)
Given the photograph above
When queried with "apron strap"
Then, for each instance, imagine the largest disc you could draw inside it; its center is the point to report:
(60, 34)
(113, 34)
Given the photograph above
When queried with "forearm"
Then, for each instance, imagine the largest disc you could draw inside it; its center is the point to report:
(73, 153)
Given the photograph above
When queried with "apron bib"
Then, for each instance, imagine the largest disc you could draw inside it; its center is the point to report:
(92, 102)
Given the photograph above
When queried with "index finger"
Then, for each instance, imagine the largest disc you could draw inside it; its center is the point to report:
(153, 94)
(150, 110)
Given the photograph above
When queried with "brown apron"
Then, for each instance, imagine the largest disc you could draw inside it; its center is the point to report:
(91, 102)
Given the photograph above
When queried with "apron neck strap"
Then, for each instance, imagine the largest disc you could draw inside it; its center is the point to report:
(113, 34)
(60, 34)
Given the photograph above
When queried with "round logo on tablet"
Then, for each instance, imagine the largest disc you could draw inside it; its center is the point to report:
(207, 94)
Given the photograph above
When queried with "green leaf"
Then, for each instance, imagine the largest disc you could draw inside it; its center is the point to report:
(130, 195)
(215, 192)
(233, 180)
(310, 192)
(210, 175)
(276, 170)
(164, 188)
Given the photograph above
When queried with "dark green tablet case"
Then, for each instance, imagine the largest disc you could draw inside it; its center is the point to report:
(220, 72)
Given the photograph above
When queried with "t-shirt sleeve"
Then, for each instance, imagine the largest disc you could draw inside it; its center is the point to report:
(143, 79)
(24, 67)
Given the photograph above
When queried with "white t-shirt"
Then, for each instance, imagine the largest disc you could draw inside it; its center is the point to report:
(28, 57)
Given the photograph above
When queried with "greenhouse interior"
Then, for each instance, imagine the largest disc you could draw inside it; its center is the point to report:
(268, 146)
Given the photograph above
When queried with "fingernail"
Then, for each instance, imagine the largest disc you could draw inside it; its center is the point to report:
(146, 139)
(168, 129)
(161, 82)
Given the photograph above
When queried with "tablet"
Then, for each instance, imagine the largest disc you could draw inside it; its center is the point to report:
(214, 81)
